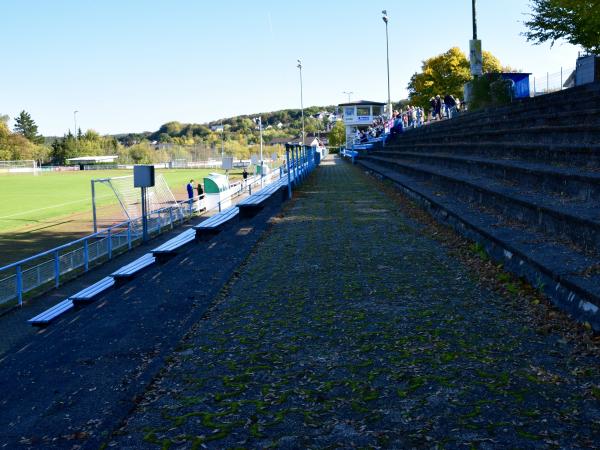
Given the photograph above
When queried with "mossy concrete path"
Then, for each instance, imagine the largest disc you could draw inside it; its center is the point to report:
(350, 327)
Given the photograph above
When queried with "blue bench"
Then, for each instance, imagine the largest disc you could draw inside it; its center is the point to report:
(169, 248)
(128, 271)
(88, 294)
(49, 315)
(253, 203)
(216, 223)
(350, 154)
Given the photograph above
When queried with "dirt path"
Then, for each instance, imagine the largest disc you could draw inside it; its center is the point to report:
(49, 233)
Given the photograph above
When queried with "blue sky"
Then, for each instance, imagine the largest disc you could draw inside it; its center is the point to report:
(131, 65)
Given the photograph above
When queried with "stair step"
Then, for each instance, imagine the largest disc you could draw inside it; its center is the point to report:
(579, 223)
(583, 128)
(568, 155)
(585, 134)
(582, 185)
(568, 276)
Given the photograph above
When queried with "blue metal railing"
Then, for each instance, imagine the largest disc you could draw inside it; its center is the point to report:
(46, 270)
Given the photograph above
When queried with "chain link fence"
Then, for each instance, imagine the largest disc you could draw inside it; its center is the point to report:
(553, 82)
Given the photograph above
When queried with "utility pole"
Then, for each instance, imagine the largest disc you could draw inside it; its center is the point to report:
(349, 94)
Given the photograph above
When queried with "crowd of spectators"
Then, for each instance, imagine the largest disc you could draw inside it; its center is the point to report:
(374, 131)
(410, 117)
(447, 107)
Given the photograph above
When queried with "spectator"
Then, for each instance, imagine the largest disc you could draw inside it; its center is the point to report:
(449, 105)
(420, 113)
(200, 197)
(438, 108)
(190, 189)
(432, 105)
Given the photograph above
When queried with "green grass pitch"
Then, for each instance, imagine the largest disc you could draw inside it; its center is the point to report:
(26, 198)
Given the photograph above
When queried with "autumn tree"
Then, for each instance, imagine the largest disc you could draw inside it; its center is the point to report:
(337, 135)
(575, 21)
(446, 74)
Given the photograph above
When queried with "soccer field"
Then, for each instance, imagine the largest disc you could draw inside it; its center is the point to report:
(39, 212)
(27, 199)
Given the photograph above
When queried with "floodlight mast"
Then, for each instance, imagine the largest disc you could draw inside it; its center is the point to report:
(387, 49)
(299, 66)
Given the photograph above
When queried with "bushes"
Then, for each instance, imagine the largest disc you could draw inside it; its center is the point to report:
(490, 90)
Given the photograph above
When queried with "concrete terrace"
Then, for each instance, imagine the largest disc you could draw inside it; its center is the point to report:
(349, 325)
(344, 320)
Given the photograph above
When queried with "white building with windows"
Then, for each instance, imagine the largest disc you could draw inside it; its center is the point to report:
(358, 116)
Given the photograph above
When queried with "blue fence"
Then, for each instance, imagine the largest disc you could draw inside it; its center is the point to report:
(49, 269)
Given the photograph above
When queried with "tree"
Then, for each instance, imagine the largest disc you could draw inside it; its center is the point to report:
(141, 153)
(27, 127)
(337, 135)
(65, 148)
(311, 125)
(14, 146)
(446, 74)
(576, 21)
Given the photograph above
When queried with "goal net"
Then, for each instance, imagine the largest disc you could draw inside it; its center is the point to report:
(21, 166)
(126, 201)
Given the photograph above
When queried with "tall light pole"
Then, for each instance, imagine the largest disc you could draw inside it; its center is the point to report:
(258, 121)
(475, 52)
(75, 122)
(349, 94)
(301, 99)
(222, 141)
(387, 50)
(474, 20)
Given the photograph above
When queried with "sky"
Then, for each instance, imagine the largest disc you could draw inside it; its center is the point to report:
(132, 65)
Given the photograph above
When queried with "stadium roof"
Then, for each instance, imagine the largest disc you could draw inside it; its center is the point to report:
(362, 102)
(92, 159)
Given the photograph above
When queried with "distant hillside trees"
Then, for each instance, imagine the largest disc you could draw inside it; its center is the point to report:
(444, 74)
(577, 22)
(89, 143)
(238, 136)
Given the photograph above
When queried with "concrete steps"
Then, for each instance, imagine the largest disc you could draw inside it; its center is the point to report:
(565, 183)
(523, 180)
(562, 134)
(567, 155)
(579, 223)
(566, 275)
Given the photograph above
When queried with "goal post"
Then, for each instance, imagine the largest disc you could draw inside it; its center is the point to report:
(127, 199)
(18, 166)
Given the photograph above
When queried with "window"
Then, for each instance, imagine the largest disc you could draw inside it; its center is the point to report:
(376, 110)
(363, 111)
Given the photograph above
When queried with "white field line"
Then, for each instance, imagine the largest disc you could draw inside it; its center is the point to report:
(22, 213)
